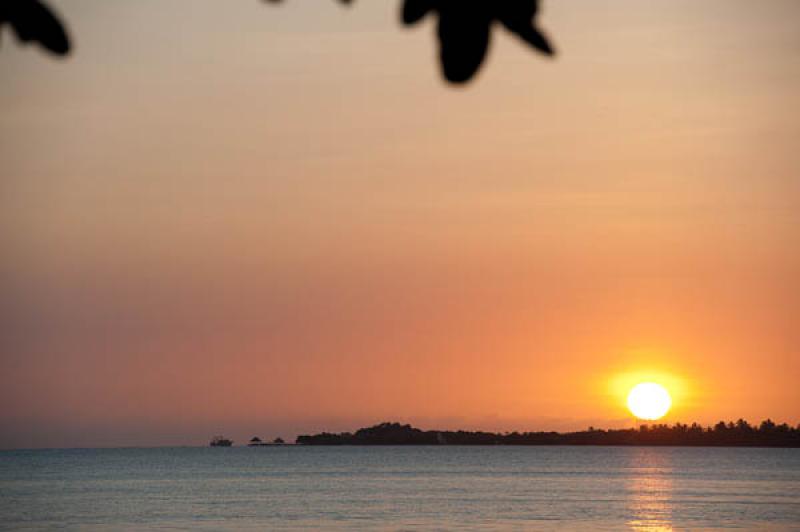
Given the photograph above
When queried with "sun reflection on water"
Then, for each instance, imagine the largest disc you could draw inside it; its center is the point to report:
(650, 502)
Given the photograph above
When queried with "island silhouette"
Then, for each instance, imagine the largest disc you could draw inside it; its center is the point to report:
(731, 434)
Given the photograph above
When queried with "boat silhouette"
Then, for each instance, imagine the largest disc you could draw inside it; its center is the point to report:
(219, 441)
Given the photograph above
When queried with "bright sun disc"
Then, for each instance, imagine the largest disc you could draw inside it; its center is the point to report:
(649, 401)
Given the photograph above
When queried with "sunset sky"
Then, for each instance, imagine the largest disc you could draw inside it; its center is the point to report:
(242, 219)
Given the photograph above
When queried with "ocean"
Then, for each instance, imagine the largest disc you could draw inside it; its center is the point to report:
(401, 488)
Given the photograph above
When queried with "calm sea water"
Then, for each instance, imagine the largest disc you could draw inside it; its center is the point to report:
(394, 488)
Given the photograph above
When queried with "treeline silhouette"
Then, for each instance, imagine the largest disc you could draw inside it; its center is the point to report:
(738, 434)
(464, 28)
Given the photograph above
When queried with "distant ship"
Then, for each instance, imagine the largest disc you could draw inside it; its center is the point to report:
(219, 441)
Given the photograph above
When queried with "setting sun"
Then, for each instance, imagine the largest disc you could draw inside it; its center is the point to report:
(649, 401)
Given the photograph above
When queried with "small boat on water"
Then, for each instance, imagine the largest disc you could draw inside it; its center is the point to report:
(219, 441)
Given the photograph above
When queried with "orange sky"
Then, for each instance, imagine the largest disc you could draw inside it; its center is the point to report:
(271, 220)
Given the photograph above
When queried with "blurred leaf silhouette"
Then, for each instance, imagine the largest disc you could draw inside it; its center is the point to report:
(464, 28)
(33, 21)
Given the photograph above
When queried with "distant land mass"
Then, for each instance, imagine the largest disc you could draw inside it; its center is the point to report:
(738, 434)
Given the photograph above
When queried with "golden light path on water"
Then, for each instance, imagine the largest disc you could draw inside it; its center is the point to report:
(650, 490)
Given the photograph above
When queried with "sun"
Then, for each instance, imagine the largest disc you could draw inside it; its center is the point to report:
(649, 401)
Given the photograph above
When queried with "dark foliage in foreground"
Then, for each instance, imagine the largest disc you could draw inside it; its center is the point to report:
(33, 21)
(464, 29)
(739, 434)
